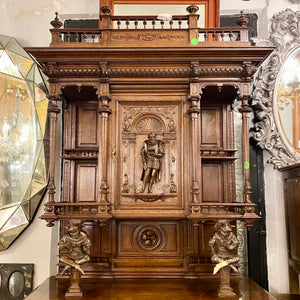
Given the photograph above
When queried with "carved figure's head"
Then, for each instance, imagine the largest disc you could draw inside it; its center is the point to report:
(152, 137)
(74, 227)
(223, 227)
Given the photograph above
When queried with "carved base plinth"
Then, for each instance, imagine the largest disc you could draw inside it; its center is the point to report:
(74, 289)
(224, 289)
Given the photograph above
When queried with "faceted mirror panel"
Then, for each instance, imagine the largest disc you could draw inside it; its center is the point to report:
(23, 130)
(288, 99)
(16, 284)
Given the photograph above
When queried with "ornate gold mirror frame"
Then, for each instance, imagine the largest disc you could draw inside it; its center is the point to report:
(269, 94)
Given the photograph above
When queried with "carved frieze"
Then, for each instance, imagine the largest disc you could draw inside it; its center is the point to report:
(151, 72)
(284, 35)
(53, 71)
(148, 37)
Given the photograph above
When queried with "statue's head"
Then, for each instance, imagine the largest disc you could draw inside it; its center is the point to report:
(152, 137)
(74, 226)
(223, 226)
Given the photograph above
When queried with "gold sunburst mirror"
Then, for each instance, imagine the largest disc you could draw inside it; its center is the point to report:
(23, 139)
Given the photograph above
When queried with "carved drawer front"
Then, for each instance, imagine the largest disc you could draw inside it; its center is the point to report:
(149, 248)
(158, 239)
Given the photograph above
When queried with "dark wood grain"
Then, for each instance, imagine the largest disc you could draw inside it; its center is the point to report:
(147, 289)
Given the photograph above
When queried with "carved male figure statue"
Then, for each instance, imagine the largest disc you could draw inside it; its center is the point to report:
(152, 152)
(224, 246)
(74, 247)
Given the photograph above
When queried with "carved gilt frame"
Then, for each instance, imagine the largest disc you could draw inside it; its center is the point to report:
(285, 36)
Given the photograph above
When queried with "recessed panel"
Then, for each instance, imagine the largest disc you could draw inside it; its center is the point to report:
(87, 127)
(212, 182)
(86, 182)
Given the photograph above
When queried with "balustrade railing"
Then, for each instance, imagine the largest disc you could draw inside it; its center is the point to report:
(119, 31)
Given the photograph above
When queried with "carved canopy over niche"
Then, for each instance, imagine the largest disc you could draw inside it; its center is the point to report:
(285, 36)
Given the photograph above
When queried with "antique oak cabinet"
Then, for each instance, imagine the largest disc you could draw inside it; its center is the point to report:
(148, 153)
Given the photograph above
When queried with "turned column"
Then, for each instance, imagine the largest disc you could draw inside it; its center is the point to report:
(194, 111)
(53, 111)
(104, 112)
(245, 110)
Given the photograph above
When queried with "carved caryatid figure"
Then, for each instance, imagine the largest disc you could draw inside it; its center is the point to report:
(74, 249)
(224, 246)
(74, 246)
(153, 151)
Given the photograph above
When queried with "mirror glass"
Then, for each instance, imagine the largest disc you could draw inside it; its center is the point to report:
(288, 99)
(23, 139)
(16, 283)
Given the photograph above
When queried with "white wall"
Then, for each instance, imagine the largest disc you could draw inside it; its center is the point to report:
(35, 245)
(277, 257)
(28, 21)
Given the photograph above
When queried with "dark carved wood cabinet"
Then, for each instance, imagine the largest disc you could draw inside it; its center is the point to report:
(148, 153)
(291, 181)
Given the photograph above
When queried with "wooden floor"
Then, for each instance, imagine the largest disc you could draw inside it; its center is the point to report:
(150, 289)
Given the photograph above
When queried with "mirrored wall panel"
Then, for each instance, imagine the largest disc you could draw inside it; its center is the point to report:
(23, 139)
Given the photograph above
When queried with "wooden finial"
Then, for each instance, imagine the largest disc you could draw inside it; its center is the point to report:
(192, 9)
(106, 10)
(242, 20)
(56, 23)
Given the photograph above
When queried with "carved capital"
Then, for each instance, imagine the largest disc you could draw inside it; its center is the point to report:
(53, 108)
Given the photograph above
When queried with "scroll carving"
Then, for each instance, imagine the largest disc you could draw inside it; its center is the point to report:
(285, 35)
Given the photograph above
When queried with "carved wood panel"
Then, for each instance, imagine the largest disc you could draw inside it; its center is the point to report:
(152, 238)
(86, 133)
(137, 118)
(211, 134)
(86, 182)
(212, 182)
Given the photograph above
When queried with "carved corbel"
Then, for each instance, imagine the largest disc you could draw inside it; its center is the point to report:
(248, 70)
(50, 69)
